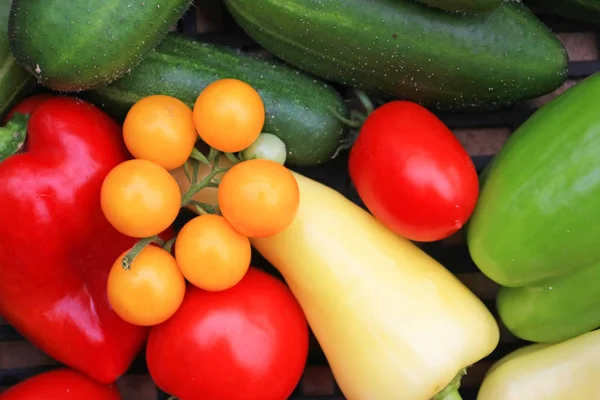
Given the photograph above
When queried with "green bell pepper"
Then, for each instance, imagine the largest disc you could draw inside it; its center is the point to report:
(535, 229)
(554, 312)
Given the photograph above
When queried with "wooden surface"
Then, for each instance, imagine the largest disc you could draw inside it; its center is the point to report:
(209, 18)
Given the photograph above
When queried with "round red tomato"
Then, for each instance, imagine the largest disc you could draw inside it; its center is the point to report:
(412, 173)
(249, 342)
(63, 384)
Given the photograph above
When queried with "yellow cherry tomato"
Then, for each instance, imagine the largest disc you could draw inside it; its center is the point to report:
(211, 254)
(259, 198)
(150, 291)
(140, 198)
(229, 115)
(161, 129)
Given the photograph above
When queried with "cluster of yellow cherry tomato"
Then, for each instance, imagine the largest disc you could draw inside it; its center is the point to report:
(256, 197)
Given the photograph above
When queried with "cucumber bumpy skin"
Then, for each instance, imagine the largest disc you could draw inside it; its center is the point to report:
(464, 6)
(404, 49)
(73, 45)
(300, 110)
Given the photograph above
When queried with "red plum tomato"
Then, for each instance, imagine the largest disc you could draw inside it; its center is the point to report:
(412, 173)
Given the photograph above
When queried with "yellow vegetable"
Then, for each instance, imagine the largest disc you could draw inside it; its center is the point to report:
(568, 370)
(393, 323)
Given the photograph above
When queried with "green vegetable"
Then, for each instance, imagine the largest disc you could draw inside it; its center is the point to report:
(72, 45)
(299, 109)
(406, 49)
(266, 147)
(583, 10)
(465, 6)
(534, 229)
(554, 312)
(15, 82)
(534, 220)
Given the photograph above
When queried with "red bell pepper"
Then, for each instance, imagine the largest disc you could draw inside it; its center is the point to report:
(61, 384)
(56, 247)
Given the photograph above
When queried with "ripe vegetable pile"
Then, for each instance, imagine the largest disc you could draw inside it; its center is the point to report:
(145, 172)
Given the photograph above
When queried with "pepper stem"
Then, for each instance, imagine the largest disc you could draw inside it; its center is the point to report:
(450, 392)
(13, 135)
(453, 395)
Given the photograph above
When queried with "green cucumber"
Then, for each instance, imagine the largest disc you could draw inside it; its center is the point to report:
(15, 82)
(73, 45)
(535, 220)
(408, 50)
(464, 6)
(300, 110)
(583, 10)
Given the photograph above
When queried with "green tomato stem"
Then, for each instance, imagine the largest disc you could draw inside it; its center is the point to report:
(186, 169)
(212, 155)
(231, 157)
(127, 261)
(169, 245)
(198, 156)
(195, 188)
(204, 208)
(192, 176)
(349, 122)
(365, 101)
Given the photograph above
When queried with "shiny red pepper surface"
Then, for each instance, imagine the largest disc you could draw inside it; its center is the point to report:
(56, 247)
(61, 384)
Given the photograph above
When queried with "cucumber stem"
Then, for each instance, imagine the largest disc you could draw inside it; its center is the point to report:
(13, 135)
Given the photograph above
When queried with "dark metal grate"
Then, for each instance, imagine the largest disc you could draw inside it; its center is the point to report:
(334, 175)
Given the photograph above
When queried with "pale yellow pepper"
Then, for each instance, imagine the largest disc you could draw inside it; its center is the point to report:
(393, 323)
(568, 370)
